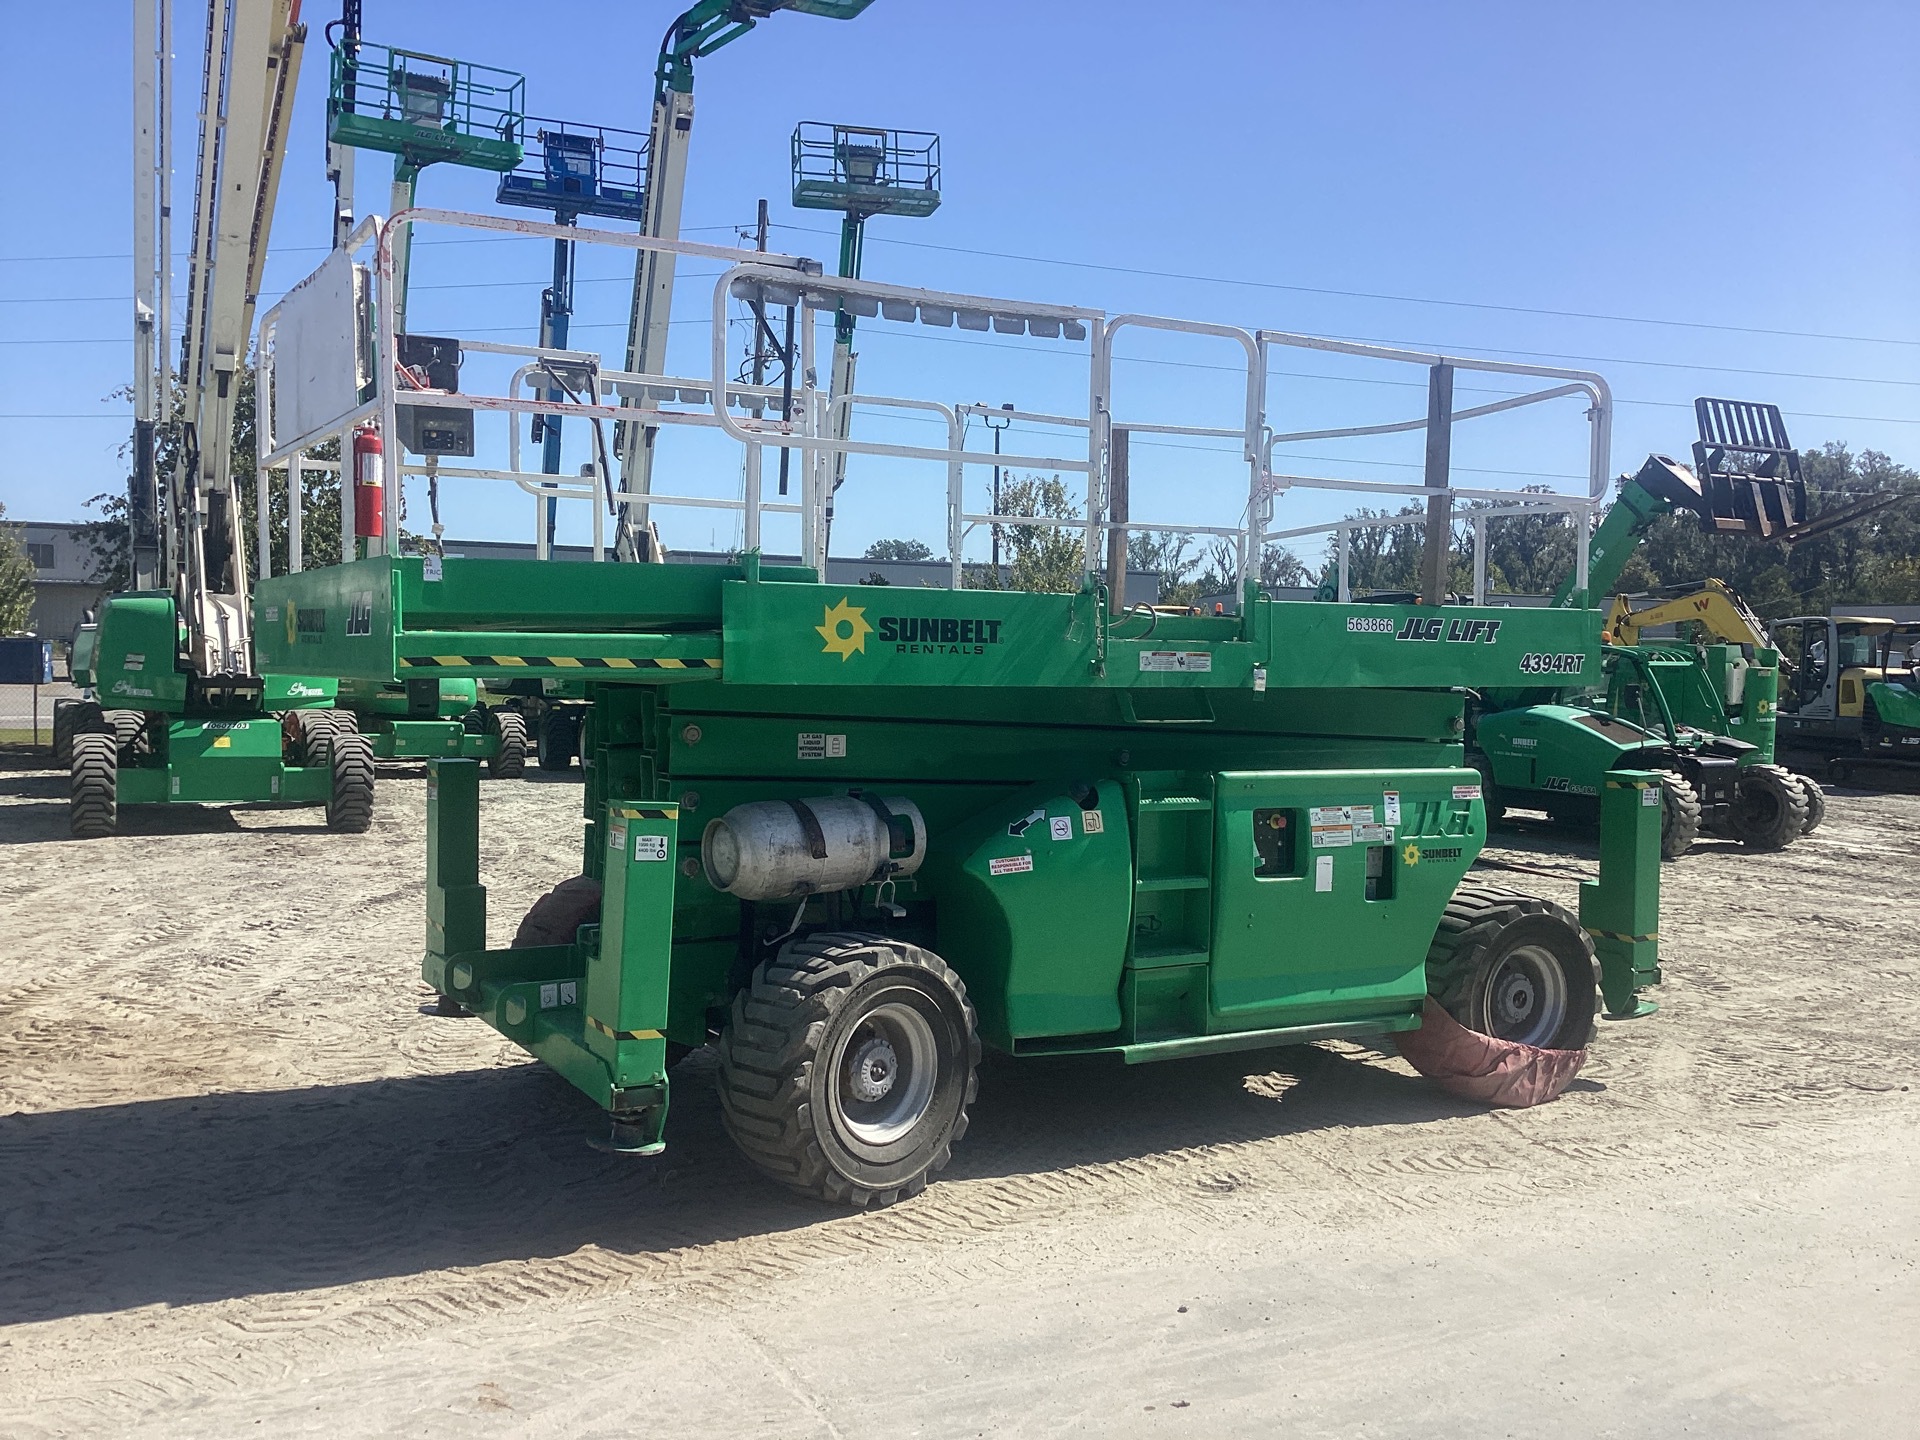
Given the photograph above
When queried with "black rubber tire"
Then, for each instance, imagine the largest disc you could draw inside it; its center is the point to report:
(1769, 809)
(83, 717)
(792, 1032)
(558, 740)
(557, 915)
(1816, 803)
(350, 798)
(1468, 963)
(129, 729)
(63, 717)
(1839, 771)
(309, 736)
(509, 760)
(93, 798)
(1679, 814)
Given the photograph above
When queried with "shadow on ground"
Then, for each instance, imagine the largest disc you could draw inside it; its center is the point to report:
(211, 1197)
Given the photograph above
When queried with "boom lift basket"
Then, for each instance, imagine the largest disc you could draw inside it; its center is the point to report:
(425, 108)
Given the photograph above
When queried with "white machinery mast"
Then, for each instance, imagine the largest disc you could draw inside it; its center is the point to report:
(250, 72)
(152, 374)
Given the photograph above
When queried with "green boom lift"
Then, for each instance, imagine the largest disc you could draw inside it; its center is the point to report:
(851, 836)
(180, 713)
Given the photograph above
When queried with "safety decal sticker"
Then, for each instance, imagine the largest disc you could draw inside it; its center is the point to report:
(616, 837)
(1332, 825)
(1390, 807)
(1323, 874)
(1092, 822)
(1168, 662)
(1025, 823)
(1010, 865)
(814, 746)
(649, 847)
(1061, 826)
(1466, 792)
(1650, 798)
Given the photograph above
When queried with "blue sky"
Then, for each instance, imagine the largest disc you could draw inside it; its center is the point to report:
(1700, 198)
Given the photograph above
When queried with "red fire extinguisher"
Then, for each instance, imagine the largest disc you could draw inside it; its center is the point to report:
(369, 492)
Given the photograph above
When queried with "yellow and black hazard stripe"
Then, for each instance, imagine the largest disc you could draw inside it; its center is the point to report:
(664, 812)
(613, 1034)
(550, 662)
(1617, 935)
(1632, 784)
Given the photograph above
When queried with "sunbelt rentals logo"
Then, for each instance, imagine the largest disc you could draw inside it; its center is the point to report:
(845, 629)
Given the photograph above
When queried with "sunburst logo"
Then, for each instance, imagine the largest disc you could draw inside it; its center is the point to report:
(845, 629)
(1411, 855)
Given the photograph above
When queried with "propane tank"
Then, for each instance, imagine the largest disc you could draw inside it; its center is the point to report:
(779, 849)
(369, 492)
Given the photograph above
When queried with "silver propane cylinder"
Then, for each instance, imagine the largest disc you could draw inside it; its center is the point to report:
(780, 849)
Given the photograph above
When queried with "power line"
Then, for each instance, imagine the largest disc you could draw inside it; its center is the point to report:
(1371, 294)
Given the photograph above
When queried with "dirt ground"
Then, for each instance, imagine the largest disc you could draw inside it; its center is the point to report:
(246, 1187)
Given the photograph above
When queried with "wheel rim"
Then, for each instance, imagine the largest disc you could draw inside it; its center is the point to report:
(884, 1075)
(1759, 807)
(1526, 997)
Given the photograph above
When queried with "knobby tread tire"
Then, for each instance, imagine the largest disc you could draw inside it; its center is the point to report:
(1787, 818)
(773, 1044)
(129, 729)
(63, 731)
(350, 798)
(509, 762)
(93, 805)
(312, 736)
(1679, 814)
(557, 915)
(559, 738)
(1473, 921)
(1816, 803)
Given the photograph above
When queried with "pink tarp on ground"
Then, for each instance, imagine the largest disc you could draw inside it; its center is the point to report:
(1477, 1067)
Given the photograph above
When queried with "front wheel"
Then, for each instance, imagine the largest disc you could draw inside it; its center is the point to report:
(1679, 814)
(1515, 967)
(93, 797)
(556, 739)
(350, 796)
(509, 730)
(1816, 803)
(847, 1066)
(1769, 809)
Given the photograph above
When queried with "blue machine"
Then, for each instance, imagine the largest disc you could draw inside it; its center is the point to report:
(572, 170)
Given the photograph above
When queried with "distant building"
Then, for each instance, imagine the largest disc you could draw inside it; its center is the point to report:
(63, 585)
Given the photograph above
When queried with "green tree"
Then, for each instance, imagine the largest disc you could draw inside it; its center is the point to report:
(898, 550)
(16, 580)
(105, 539)
(1041, 557)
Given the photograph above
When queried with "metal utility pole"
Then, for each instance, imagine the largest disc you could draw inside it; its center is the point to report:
(998, 430)
(1118, 502)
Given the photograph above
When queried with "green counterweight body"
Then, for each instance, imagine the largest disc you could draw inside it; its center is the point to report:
(1145, 837)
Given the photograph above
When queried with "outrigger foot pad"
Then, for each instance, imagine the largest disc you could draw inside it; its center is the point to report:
(633, 1132)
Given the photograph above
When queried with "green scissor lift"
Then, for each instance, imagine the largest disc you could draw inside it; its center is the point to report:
(1082, 849)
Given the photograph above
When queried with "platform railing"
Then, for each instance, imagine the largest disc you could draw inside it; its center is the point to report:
(801, 419)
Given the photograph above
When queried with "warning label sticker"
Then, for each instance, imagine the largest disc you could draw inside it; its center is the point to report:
(1373, 834)
(649, 847)
(617, 835)
(1166, 662)
(1466, 792)
(1010, 865)
(1650, 797)
(1331, 825)
(1061, 826)
(1390, 807)
(814, 746)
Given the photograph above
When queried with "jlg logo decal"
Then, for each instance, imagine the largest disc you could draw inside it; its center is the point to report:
(1459, 632)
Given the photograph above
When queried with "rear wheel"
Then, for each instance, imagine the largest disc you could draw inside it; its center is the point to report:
(1515, 967)
(129, 728)
(308, 735)
(93, 801)
(847, 1066)
(509, 759)
(63, 717)
(1769, 809)
(1679, 814)
(558, 915)
(350, 798)
(1816, 803)
(557, 740)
